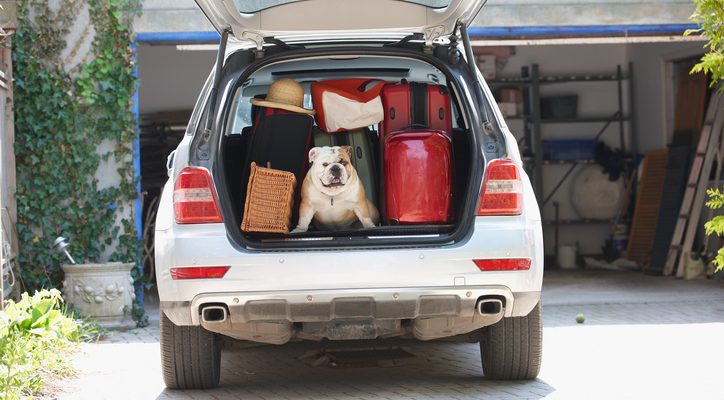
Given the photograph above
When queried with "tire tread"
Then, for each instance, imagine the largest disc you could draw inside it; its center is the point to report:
(512, 348)
(190, 356)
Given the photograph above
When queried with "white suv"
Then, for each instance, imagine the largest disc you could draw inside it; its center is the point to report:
(477, 279)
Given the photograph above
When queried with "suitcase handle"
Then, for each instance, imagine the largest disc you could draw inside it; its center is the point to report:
(415, 126)
(363, 86)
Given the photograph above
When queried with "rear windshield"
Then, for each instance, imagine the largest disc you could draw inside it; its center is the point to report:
(240, 116)
(307, 71)
(253, 6)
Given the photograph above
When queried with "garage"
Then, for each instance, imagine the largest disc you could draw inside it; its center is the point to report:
(620, 143)
(580, 94)
(598, 106)
(166, 98)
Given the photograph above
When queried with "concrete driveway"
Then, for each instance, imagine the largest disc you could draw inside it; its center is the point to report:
(644, 338)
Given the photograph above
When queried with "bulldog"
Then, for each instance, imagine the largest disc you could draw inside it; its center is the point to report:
(332, 193)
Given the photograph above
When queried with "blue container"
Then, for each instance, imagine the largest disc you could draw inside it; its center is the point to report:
(569, 149)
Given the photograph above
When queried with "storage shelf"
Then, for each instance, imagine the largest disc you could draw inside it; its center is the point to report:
(531, 81)
(579, 221)
(580, 78)
(592, 119)
(570, 162)
(517, 81)
(580, 120)
(565, 162)
(509, 82)
(560, 162)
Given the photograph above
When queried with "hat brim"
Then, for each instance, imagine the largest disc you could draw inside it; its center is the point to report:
(288, 107)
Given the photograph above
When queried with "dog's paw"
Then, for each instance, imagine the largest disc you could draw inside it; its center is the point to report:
(368, 224)
(299, 230)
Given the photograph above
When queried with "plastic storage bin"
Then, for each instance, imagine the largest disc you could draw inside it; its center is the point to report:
(569, 149)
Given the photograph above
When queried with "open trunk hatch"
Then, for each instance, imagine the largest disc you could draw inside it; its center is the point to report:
(329, 19)
(236, 136)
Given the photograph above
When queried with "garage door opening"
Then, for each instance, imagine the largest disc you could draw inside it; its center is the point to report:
(170, 78)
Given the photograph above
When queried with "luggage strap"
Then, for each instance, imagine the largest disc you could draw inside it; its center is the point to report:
(418, 104)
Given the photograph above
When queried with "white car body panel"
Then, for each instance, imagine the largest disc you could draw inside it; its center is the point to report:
(351, 270)
(307, 277)
(352, 18)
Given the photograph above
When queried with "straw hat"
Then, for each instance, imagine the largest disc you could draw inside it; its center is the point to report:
(285, 94)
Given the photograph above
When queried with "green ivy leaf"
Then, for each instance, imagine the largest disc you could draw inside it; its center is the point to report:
(60, 121)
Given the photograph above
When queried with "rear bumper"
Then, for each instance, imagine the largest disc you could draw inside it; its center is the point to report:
(351, 304)
(349, 293)
(348, 270)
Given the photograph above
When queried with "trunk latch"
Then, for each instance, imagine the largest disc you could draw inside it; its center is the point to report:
(257, 39)
(431, 34)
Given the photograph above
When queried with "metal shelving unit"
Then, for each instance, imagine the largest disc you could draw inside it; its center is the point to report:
(530, 82)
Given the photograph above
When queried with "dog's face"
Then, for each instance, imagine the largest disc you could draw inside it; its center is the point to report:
(331, 168)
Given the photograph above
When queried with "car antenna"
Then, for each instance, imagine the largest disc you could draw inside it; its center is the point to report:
(203, 147)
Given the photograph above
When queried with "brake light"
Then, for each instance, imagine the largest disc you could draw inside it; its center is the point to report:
(503, 264)
(198, 272)
(502, 191)
(194, 198)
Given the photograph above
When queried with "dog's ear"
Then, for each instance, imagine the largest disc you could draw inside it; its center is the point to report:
(346, 149)
(313, 154)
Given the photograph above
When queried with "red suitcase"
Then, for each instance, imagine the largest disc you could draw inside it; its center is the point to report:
(418, 177)
(415, 106)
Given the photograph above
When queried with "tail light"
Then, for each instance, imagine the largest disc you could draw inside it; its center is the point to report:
(198, 272)
(503, 264)
(194, 198)
(502, 191)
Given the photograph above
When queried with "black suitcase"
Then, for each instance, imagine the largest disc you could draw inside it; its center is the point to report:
(281, 140)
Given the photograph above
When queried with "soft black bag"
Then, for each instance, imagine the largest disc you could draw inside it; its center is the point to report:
(281, 140)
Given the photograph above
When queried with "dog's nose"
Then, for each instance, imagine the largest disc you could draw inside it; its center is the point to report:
(335, 170)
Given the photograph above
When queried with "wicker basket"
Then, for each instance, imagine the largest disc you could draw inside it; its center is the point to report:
(269, 199)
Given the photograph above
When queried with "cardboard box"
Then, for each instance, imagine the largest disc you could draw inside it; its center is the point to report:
(486, 64)
(508, 109)
(511, 95)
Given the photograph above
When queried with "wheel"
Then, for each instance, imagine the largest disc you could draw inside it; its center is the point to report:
(190, 356)
(512, 347)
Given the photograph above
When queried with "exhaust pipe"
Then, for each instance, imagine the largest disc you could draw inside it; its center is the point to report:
(488, 307)
(213, 314)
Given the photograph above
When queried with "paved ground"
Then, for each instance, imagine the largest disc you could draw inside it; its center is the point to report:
(644, 338)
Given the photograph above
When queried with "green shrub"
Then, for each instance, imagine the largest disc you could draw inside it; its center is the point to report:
(716, 225)
(36, 337)
(709, 15)
(82, 121)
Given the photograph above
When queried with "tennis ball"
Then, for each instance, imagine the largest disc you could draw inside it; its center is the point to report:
(580, 318)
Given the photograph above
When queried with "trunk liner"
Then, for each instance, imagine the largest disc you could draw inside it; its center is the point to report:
(389, 230)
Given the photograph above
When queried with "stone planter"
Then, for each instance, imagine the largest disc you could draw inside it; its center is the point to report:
(101, 292)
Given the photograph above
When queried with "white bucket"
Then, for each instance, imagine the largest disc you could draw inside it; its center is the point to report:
(567, 256)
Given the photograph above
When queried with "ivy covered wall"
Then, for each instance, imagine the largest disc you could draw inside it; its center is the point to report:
(74, 134)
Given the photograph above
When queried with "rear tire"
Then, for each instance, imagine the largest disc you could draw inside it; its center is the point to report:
(190, 356)
(512, 348)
